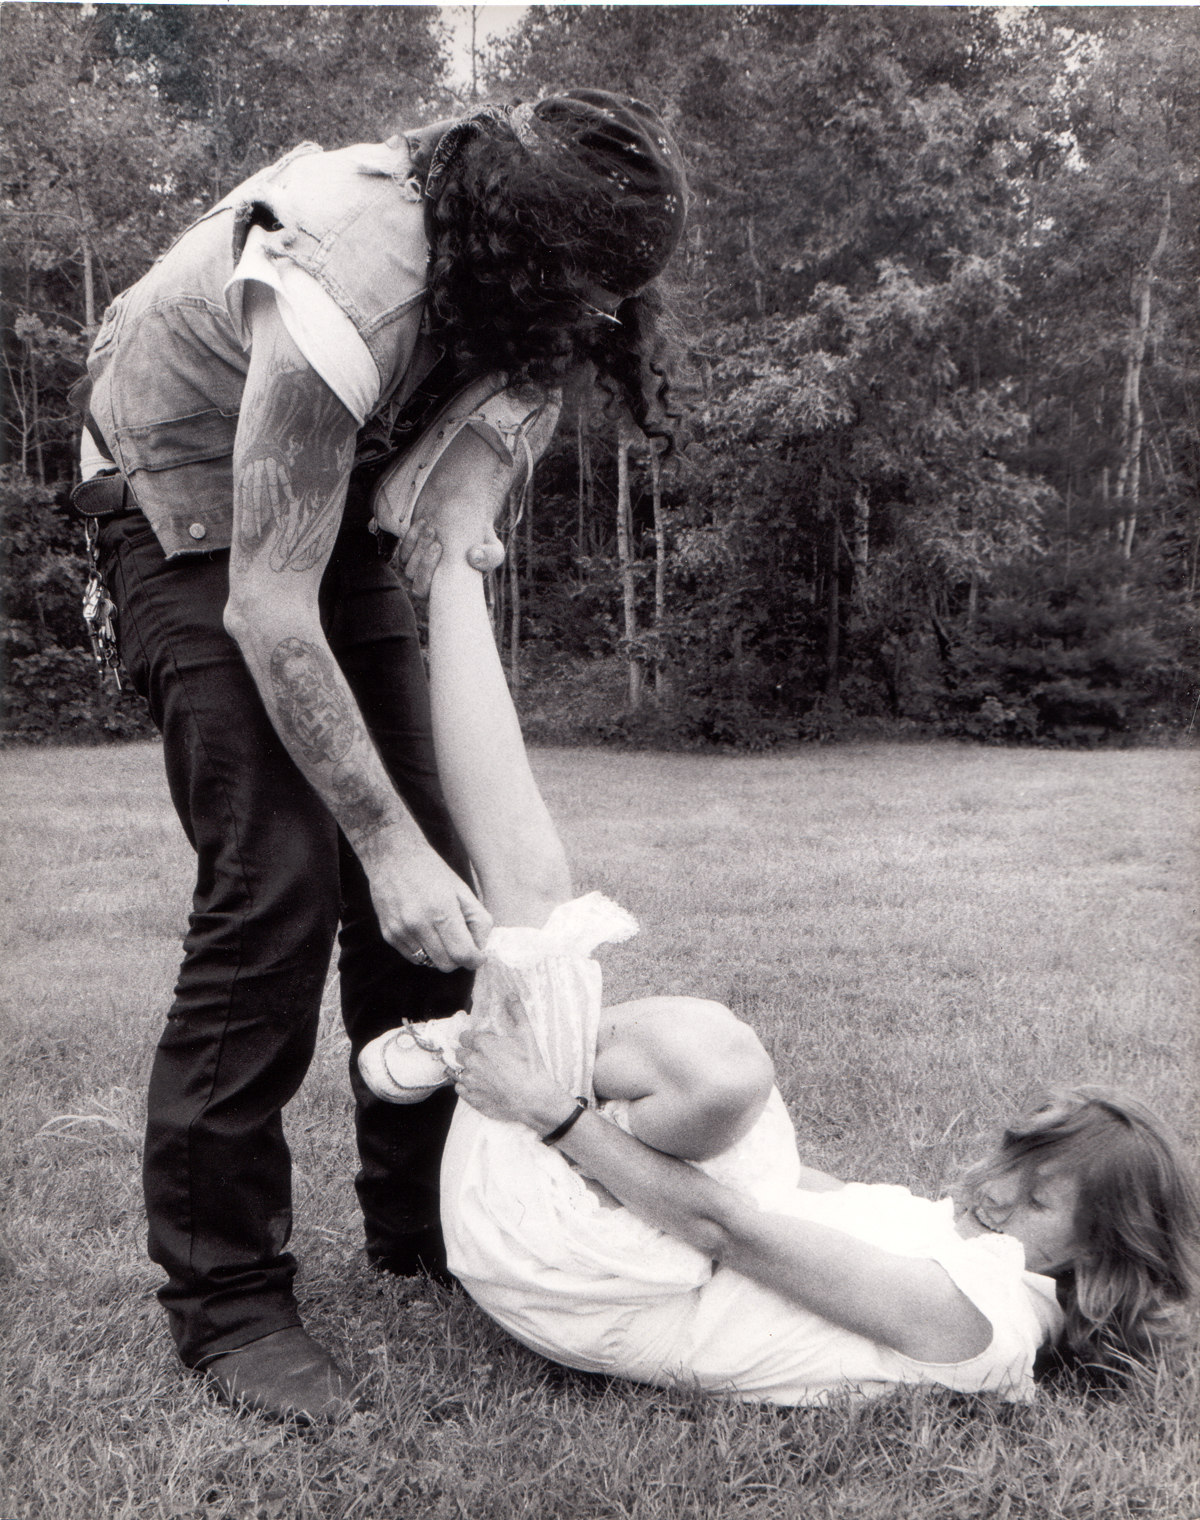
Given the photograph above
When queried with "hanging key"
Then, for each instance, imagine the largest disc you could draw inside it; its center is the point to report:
(98, 609)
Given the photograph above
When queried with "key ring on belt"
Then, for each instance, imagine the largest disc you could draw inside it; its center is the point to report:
(98, 612)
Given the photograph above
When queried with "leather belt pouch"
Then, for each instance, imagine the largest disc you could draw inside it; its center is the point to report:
(102, 496)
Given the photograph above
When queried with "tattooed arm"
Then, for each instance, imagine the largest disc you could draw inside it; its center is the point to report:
(292, 459)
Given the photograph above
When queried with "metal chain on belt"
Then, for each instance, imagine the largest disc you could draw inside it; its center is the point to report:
(98, 610)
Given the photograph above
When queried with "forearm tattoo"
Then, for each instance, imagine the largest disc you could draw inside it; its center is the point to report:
(315, 711)
(317, 715)
(291, 475)
(361, 814)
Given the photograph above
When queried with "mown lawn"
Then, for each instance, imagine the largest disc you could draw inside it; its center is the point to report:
(919, 933)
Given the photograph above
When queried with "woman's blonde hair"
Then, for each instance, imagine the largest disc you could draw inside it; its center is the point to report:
(1138, 1218)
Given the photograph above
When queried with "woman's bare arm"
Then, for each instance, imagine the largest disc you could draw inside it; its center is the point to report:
(907, 1303)
(489, 787)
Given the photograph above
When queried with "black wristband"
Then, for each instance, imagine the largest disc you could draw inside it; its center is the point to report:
(560, 1131)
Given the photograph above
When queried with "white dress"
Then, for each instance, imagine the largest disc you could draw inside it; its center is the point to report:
(596, 1288)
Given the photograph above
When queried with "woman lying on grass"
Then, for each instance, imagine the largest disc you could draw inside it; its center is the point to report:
(622, 1191)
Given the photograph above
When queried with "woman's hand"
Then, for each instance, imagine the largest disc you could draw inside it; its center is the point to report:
(503, 1074)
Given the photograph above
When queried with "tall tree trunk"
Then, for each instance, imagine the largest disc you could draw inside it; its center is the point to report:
(756, 266)
(862, 541)
(1067, 491)
(35, 418)
(625, 556)
(79, 178)
(474, 10)
(1133, 417)
(89, 288)
(582, 469)
(19, 393)
(220, 133)
(662, 684)
(1133, 481)
(527, 510)
(31, 416)
(833, 612)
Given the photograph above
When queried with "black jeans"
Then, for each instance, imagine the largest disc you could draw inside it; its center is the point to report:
(274, 878)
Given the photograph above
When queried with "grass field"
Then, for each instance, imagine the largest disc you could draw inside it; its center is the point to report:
(919, 933)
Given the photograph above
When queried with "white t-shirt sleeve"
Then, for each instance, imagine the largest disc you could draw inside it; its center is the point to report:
(1019, 1306)
(91, 461)
(987, 1269)
(318, 326)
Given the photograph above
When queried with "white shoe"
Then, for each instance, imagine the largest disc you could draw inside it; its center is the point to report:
(405, 1065)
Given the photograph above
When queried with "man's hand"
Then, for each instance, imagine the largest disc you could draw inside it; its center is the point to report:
(421, 553)
(456, 512)
(425, 909)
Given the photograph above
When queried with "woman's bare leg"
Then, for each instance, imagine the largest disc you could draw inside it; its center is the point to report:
(697, 1078)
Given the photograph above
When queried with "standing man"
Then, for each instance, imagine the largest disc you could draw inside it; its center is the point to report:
(344, 338)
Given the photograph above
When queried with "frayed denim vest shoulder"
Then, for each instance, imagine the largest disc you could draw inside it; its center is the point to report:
(168, 367)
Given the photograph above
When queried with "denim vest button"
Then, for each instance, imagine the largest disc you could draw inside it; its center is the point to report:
(197, 530)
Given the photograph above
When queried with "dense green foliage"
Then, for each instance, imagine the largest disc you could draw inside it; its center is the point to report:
(940, 286)
(120, 124)
(938, 301)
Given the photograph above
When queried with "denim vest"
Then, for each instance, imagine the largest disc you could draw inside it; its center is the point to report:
(168, 367)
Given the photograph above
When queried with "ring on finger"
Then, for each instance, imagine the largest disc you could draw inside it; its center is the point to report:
(420, 957)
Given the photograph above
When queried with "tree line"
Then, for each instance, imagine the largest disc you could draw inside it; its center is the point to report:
(937, 315)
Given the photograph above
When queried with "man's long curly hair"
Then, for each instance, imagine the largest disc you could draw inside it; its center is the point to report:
(1137, 1218)
(520, 245)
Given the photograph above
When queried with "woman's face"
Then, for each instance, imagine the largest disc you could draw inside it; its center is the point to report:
(1036, 1205)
